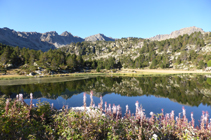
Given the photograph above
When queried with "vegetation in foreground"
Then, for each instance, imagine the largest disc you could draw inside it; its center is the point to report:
(21, 121)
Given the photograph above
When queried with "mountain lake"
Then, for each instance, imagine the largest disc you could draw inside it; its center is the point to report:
(172, 92)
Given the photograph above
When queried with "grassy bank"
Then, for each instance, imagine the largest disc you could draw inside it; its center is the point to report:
(124, 72)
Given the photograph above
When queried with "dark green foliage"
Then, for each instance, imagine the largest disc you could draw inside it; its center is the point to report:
(98, 69)
(201, 64)
(154, 63)
(20, 121)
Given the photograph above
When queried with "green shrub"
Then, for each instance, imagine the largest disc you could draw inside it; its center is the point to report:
(209, 63)
(98, 69)
(21, 121)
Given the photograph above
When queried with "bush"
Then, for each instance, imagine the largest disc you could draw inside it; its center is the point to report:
(98, 69)
(209, 63)
(21, 121)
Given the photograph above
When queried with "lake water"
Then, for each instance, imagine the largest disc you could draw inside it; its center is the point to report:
(153, 93)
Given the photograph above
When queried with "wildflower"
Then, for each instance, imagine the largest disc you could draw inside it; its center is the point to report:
(202, 120)
(192, 120)
(114, 109)
(101, 100)
(172, 114)
(31, 96)
(91, 97)
(52, 106)
(118, 111)
(152, 117)
(101, 103)
(137, 108)
(99, 106)
(21, 97)
(136, 105)
(84, 97)
(167, 116)
(126, 109)
(7, 105)
(183, 111)
(154, 137)
(206, 117)
(140, 113)
(176, 118)
(105, 106)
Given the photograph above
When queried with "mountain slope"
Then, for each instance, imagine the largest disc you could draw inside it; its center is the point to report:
(43, 41)
(98, 37)
(36, 41)
(176, 33)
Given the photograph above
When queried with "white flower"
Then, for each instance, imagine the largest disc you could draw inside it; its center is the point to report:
(154, 137)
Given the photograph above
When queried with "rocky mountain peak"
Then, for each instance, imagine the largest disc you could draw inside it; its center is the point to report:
(99, 36)
(66, 33)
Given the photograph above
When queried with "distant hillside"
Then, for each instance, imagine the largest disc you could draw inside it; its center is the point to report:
(174, 34)
(43, 41)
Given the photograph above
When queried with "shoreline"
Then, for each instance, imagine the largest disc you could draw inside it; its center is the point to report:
(123, 72)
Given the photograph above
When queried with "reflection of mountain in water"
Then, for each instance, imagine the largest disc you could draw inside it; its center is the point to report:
(188, 90)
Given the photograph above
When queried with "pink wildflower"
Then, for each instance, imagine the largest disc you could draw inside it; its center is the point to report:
(31, 96)
(84, 97)
(183, 111)
(101, 103)
(91, 97)
(192, 119)
(137, 109)
(126, 109)
(21, 97)
(109, 108)
(52, 106)
(7, 105)
(114, 109)
(172, 115)
(202, 120)
(105, 106)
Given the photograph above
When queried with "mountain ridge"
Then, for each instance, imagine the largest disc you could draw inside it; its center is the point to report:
(43, 41)
(176, 33)
(52, 40)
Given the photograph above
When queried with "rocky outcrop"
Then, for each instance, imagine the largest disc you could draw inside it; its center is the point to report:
(174, 34)
(99, 37)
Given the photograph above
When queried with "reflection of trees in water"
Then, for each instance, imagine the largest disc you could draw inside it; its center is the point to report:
(185, 90)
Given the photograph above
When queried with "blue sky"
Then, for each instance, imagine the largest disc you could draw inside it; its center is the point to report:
(114, 18)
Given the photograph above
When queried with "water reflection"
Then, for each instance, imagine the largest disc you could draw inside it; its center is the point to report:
(154, 93)
(185, 90)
